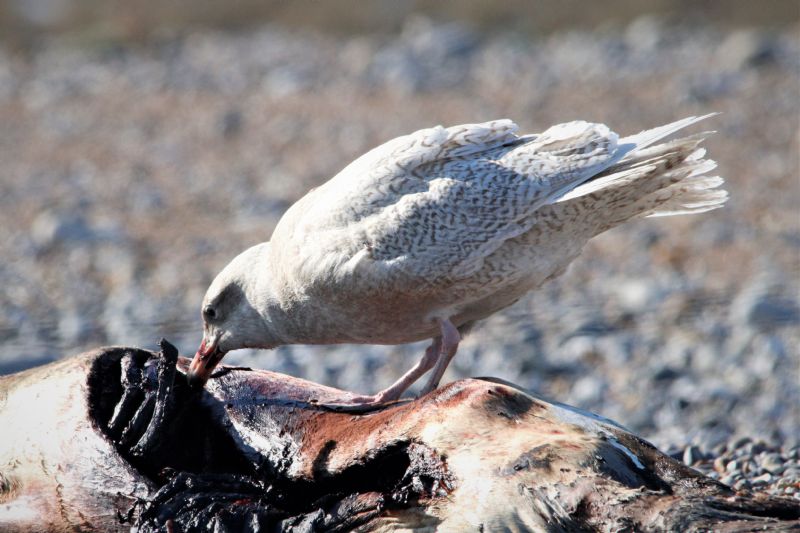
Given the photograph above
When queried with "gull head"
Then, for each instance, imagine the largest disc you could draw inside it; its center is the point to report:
(235, 313)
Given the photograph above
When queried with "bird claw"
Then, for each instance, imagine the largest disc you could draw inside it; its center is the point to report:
(363, 404)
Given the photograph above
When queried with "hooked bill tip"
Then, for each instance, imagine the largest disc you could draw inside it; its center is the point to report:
(196, 381)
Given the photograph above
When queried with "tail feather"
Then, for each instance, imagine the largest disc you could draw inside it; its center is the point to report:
(674, 150)
(645, 138)
(664, 179)
(661, 157)
(670, 178)
(690, 198)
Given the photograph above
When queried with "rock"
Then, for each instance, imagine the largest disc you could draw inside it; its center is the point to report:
(745, 49)
(667, 374)
(285, 81)
(733, 466)
(758, 446)
(231, 123)
(426, 56)
(773, 463)
(773, 311)
(634, 294)
(438, 42)
(691, 455)
(51, 228)
(43, 13)
(644, 33)
(130, 318)
(75, 327)
(588, 390)
(763, 479)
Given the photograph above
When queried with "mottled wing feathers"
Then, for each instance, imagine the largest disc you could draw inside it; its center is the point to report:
(432, 205)
(479, 191)
(387, 173)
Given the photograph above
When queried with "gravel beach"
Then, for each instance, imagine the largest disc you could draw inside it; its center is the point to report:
(133, 173)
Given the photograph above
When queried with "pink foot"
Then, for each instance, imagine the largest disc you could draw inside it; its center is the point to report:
(391, 395)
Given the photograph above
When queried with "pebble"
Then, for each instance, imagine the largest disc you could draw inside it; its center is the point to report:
(775, 471)
(52, 228)
(746, 48)
(774, 463)
(771, 311)
(691, 455)
(763, 479)
(231, 123)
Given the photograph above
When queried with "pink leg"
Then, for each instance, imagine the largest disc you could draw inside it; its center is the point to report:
(401, 385)
(450, 339)
(439, 353)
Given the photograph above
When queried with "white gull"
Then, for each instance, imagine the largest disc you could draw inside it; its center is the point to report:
(430, 232)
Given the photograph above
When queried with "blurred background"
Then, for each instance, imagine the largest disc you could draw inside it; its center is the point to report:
(143, 144)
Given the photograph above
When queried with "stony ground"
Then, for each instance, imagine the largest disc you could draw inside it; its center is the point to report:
(132, 174)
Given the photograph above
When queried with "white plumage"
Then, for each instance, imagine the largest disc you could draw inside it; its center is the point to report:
(434, 230)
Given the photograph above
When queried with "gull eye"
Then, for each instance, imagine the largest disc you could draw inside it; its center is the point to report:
(209, 313)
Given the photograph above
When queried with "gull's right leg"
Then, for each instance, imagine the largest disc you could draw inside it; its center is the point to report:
(423, 365)
(450, 339)
(397, 389)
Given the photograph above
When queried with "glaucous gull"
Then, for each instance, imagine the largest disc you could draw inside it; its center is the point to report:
(430, 232)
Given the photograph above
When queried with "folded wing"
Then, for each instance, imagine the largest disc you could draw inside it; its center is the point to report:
(432, 205)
